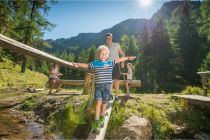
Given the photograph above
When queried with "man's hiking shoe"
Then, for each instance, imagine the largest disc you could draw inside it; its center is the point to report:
(96, 127)
(128, 95)
(101, 121)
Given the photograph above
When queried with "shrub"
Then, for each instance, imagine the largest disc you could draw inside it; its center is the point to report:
(193, 90)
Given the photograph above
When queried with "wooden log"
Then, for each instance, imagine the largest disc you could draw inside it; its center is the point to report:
(71, 82)
(134, 83)
(21, 48)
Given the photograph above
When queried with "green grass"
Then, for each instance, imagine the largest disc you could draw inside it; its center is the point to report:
(11, 77)
(163, 111)
(67, 119)
(153, 107)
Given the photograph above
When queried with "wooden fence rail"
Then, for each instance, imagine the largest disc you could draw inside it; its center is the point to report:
(21, 48)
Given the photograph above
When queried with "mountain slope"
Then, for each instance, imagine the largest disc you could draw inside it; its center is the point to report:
(128, 27)
(85, 40)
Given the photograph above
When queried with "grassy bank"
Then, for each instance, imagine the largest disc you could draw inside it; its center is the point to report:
(11, 77)
(164, 113)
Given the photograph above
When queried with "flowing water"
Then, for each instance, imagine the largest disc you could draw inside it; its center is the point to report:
(13, 123)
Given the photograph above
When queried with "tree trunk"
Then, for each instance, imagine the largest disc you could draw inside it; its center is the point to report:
(23, 66)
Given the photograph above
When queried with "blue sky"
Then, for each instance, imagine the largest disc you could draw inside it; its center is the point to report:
(91, 16)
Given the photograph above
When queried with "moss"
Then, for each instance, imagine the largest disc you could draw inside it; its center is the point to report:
(30, 103)
(117, 117)
(67, 120)
(160, 123)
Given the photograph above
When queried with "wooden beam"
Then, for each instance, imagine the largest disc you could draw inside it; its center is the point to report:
(23, 49)
(102, 132)
(203, 72)
(201, 101)
(71, 82)
(134, 83)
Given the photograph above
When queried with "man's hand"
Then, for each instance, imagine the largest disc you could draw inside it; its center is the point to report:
(75, 64)
(131, 57)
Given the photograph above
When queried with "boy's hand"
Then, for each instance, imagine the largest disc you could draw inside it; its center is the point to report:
(131, 57)
(75, 64)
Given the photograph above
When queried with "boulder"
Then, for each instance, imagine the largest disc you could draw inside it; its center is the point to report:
(135, 128)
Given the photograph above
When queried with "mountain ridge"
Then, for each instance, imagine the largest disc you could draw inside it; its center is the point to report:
(130, 27)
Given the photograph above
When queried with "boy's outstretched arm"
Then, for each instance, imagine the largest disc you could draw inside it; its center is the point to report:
(81, 65)
(122, 59)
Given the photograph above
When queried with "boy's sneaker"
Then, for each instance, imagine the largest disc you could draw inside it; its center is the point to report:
(116, 98)
(96, 127)
(101, 121)
(111, 99)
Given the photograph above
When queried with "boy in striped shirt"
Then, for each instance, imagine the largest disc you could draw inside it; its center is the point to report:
(103, 80)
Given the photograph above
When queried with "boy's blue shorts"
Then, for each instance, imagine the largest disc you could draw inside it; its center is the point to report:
(102, 92)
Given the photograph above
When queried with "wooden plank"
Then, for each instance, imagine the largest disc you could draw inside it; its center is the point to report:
(21, 48)
(204, 72)
(102, 133)
(195, 99)
(134, 83)
(71, 82)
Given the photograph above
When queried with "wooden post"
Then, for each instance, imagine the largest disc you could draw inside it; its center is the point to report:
(89, 85)
(204, 81)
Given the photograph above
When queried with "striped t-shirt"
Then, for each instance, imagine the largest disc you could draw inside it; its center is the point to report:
(103, 70)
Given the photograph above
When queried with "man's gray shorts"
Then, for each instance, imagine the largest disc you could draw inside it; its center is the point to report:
(116, 72)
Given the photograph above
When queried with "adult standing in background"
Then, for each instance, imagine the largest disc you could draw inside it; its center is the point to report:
(115, 52)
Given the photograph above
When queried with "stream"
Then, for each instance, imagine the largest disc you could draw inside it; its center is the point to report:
(15, 124)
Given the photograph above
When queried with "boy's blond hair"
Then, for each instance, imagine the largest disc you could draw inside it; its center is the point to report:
(101, 48)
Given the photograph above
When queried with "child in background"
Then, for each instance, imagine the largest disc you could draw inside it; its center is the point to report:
(129, 75)
(54, 74)
(103, 80)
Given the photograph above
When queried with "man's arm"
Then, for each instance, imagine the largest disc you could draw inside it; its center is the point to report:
(122, 54)
(122, 59)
